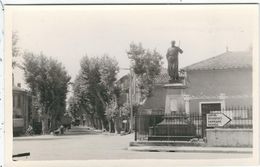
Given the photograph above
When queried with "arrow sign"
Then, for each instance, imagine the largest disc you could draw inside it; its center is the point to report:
(217, 120)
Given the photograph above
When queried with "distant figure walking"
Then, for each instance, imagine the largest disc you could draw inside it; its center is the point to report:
(173, 62)
(61, 129)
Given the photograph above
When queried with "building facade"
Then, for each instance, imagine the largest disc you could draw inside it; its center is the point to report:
(224, 80)
(130, 92)
(219, 84)
(22, 110)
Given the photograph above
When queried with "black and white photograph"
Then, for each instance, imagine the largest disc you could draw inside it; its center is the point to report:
(133, 82)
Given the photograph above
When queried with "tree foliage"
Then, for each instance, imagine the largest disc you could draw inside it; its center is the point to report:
(94, 87)
(146, 64)
(15, 48)
(48, 81)
(125, 110)
(112, 110)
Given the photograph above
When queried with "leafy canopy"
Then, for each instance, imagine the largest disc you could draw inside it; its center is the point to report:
(48, 81)
(94, 87)
(146, 64)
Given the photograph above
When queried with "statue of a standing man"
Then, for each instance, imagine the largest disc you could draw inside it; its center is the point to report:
(172, 57)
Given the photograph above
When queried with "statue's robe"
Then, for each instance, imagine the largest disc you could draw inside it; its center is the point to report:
(173, 62)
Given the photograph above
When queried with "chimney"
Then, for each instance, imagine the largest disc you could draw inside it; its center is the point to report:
(19, 85)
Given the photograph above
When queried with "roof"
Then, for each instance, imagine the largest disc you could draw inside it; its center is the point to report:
(18, 89)
(227, 60)
(122, 78)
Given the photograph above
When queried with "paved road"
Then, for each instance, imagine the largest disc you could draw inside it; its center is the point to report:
(97, 146)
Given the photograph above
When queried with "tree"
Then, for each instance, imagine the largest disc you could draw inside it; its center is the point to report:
(146, 65)
(125, 110)
(48, 81)
(94, 86)
(15, 48)
(73, 106)
(108, 71)
(112, 113)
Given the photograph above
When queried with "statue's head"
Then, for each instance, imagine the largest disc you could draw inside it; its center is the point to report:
(173, 43)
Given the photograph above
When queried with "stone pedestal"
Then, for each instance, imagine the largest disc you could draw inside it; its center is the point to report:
(174, 98)
(176, 124)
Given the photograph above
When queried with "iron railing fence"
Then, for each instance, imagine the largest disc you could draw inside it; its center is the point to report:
(172, 127)
(241, 117)
(162, 126)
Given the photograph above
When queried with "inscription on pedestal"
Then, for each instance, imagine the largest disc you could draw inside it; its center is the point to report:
(174, 98)
(173, 105)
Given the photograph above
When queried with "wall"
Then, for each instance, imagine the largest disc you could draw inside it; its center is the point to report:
(22, 110)
(156, 100)
(232, 82)
(212, 82)
(230, 137)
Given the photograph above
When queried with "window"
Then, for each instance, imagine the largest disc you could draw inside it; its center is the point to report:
(19, 101)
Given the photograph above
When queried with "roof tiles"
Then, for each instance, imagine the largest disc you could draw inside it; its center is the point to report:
(227, 60)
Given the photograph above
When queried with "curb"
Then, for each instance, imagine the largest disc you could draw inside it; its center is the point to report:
(191, 149)
(167, 143)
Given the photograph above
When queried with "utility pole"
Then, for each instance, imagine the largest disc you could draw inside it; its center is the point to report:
(131, 100)
(131, 92)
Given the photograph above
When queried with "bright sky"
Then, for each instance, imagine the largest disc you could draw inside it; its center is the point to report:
(69, 33)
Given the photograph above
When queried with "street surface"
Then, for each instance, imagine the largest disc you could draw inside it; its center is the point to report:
(82, 144)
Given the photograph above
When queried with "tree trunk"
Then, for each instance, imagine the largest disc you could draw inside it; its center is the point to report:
(102, 124)
(92, 121)
(88, 121)
(53, 124)
(110, 126)
(99, 124)
(95, 123)
(115, 126)
(44, 121)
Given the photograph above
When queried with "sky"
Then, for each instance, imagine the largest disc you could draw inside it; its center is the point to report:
(67, 33)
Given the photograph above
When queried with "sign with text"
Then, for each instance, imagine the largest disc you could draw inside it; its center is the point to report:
(217, 120)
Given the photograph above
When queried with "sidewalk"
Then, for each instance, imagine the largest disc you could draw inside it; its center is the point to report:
(183, 146)
(36, 137)
(75, 130)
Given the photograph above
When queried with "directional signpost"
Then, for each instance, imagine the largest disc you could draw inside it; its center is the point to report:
(217, 120)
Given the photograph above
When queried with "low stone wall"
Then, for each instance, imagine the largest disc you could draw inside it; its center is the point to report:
(230, 137)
